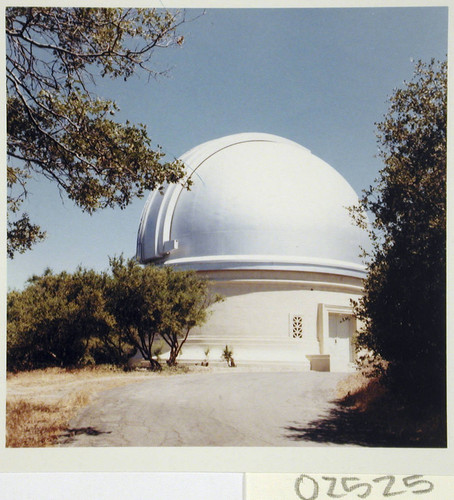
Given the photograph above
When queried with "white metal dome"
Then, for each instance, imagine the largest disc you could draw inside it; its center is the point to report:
(257, 201)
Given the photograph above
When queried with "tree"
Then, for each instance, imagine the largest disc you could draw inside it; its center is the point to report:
(53, 321)
(58, 128)
(404, 305)
(152, 304)
(190, 299)
(88, 317)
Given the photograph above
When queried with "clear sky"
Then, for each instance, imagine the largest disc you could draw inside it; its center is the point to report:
(320, 77)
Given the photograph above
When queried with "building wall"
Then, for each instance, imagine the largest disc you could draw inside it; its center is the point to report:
(255, 319)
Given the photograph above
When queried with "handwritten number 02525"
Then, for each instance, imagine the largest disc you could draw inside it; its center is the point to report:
(307, 488)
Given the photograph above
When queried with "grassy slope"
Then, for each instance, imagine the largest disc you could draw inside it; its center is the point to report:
(385, 413)
(40, 403)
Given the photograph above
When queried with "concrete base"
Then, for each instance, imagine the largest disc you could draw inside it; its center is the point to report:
(266, 366)
(276, 354)
(247, 352)
(320, 362)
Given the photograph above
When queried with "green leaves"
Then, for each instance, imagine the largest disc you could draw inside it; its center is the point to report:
(153, 303)
(21, 234)
(59, 128)
(68, 319)
(53, 320)
(404, 305)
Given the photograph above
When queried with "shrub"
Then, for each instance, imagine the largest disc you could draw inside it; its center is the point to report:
(51, 322)
(227, 355)
(150, 303)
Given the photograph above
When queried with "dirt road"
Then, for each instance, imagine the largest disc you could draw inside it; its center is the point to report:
(208, 409)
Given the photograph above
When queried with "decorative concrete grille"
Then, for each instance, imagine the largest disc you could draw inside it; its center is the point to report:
(297, 327)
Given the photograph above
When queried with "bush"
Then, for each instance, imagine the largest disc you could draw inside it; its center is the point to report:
(227, 355)
(83, 318)
(156, 303)
(404, 305)
(52, 321)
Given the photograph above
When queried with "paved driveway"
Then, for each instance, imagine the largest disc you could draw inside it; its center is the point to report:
(209, 409)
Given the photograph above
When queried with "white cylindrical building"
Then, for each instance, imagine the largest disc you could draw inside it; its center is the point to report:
(267, 222)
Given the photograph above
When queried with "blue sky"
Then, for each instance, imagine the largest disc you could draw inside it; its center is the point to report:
(320, 77)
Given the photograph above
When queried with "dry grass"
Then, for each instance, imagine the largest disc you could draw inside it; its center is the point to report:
(35, 424)
(387, 413)
(40, 403)
(360, 391)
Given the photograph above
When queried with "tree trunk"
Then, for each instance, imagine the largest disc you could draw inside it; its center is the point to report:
(155, 366)
(172, 361)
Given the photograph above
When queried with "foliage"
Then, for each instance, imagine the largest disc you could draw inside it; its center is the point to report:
(109, 347)
(227, 355)
(52, 322)
(155, 303)
(404, 305)
(58, 128)
(87, 317)
(190, 299)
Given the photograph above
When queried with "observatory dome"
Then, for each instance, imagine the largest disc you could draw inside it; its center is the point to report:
(257, 201)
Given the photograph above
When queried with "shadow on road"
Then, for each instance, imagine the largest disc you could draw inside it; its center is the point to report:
(346, 426)
(90, 431)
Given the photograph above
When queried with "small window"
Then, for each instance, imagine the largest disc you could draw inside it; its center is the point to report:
(296, 326)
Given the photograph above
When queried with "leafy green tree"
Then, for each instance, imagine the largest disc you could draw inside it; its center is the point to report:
(404, 305)
(52, 321)
(88, 317)
(152, 304)
(58, 128)
(189, 300)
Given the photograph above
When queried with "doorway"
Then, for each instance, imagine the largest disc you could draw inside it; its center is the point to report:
(341, 329)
